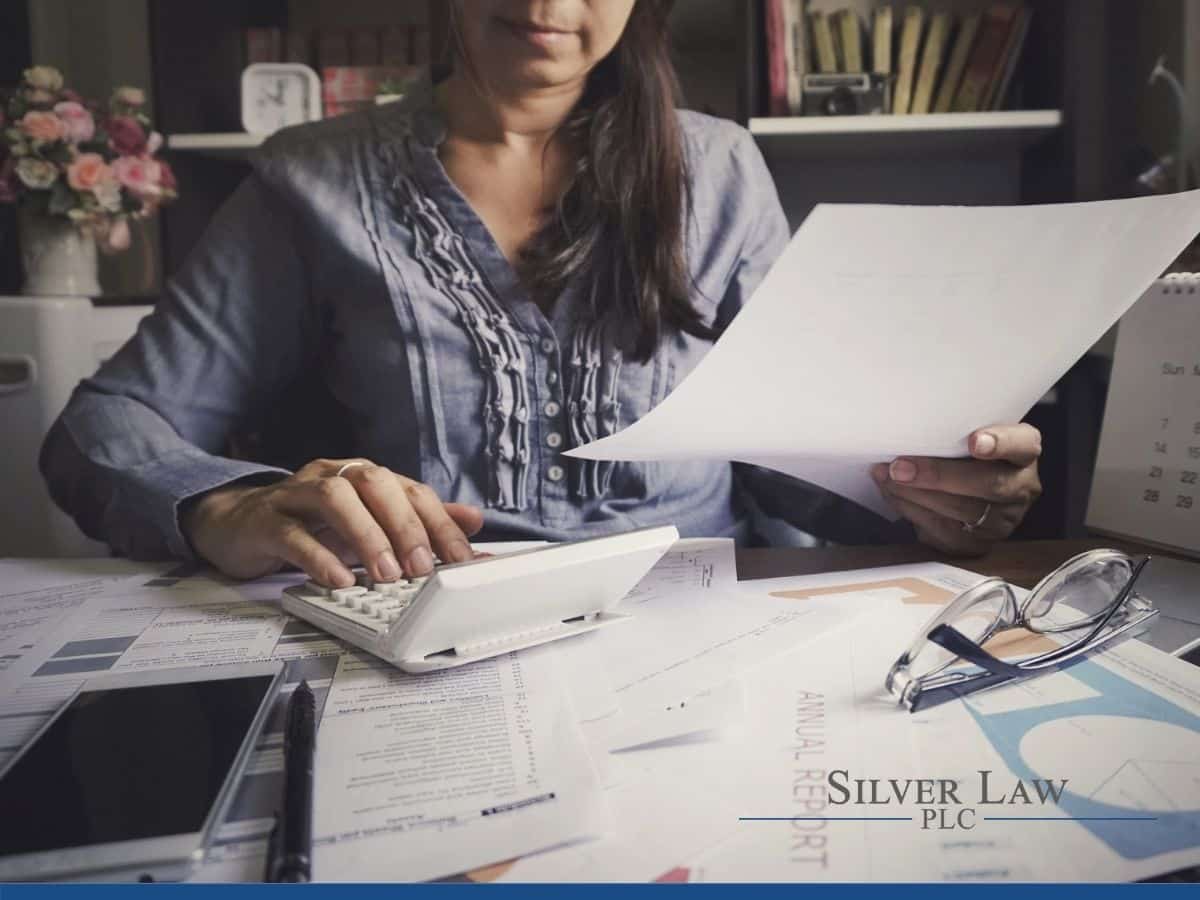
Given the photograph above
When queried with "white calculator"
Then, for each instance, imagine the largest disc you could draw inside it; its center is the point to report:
(469, 611)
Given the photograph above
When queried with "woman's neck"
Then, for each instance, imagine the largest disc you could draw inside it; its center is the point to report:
(511, 118)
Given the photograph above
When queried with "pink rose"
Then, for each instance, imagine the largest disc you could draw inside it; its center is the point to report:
(154, 143)
(167, 177)
(80, 125)
(127, 136)
(88, 171)
(141, 175)
(44, 126)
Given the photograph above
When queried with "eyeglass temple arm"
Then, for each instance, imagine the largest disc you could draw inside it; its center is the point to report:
(956, 642)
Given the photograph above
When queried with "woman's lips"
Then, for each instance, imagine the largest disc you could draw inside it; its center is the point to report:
(546, 37)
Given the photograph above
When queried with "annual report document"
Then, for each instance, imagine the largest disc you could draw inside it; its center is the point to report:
(898, 330)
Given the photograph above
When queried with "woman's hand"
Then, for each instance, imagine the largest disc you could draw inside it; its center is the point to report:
(963, 506)
(320, 521)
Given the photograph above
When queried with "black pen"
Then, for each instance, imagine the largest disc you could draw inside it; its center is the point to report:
(293, 859)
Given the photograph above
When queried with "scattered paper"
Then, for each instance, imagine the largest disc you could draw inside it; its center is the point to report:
(890, 330)
(423, 776)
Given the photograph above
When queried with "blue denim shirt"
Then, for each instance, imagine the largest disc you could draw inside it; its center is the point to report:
(347, 301)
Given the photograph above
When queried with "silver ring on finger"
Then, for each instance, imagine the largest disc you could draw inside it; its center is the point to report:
(968, 527)
(348, 466)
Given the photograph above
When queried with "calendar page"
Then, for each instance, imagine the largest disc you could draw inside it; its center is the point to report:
(1147, 481)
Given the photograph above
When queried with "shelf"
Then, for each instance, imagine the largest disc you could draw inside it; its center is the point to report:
(840, 137)
(231, 145)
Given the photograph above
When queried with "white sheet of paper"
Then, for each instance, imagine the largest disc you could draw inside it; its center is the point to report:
(681, 645)
(890, 330)
(424, 776)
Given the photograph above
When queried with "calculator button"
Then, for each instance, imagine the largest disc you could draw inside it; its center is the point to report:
(345, 596)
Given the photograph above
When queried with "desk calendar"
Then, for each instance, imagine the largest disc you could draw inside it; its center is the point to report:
(1147, 481)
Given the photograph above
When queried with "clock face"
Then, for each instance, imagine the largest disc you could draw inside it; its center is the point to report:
(279, 100)
(276, 96)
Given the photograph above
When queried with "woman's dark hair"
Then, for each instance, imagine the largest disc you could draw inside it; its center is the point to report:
(621, 222)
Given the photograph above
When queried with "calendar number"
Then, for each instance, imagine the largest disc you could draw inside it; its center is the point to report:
(1193, 452)
(1161, 447)
(1156, 472)
(1150, 495)
(1187, 477)
(1196, 428)
(1183, 501)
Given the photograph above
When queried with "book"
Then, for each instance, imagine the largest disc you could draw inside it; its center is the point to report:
(796, 48)
(777, 66)
(394, 47)
(822, 38)
(1012, 55)
(986, 58)
(931, 63)
(881, 49)
(910, 45)
(849, 33)
(964, 42)
(297, 47)
(420, 41)
(364, 47)
(263, 45)
(333, 48)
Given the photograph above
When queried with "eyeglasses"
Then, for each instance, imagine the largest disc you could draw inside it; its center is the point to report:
(1086, 604)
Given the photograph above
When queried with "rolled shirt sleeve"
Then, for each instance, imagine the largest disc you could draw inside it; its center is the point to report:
(147, 432)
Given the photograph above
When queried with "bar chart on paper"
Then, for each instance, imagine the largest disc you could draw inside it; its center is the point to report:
(1147, 481)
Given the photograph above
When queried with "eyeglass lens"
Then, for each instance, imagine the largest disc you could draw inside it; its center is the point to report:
(983, 610)
(1080, 593)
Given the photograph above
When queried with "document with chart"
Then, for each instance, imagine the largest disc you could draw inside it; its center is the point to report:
(1099, 761)
(890, 330)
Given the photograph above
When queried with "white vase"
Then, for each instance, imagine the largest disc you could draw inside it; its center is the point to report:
(59, 259)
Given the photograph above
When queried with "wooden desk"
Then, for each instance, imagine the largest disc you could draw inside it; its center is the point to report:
(1021, 563)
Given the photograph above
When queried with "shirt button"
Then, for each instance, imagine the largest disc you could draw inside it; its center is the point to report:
(552, 409)
(555, 473)
(554, 440)
(547, 345)
(552, 377)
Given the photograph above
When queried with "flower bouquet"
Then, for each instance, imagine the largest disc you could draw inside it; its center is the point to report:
(64, 159)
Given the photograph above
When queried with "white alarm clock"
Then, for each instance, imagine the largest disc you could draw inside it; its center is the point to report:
(275, 95)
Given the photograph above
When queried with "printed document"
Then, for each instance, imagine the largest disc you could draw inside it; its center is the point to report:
(1098, 762)
(422, 776)
(891, 330)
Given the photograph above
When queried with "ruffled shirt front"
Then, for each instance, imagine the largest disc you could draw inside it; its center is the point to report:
(348, 301)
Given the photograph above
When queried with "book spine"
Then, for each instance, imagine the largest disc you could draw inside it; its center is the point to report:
(822, 36)
(1012, 56)
(988, 55)
(963, 44)
(263, 45)
(910, 44)
(931, 63)
(797, 54)
(420, 42)
(394, 47)
(777, 91)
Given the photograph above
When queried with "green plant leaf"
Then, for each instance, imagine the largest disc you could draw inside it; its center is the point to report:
(62, 199)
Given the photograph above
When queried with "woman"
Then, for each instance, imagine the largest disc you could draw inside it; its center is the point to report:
(460, 287)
